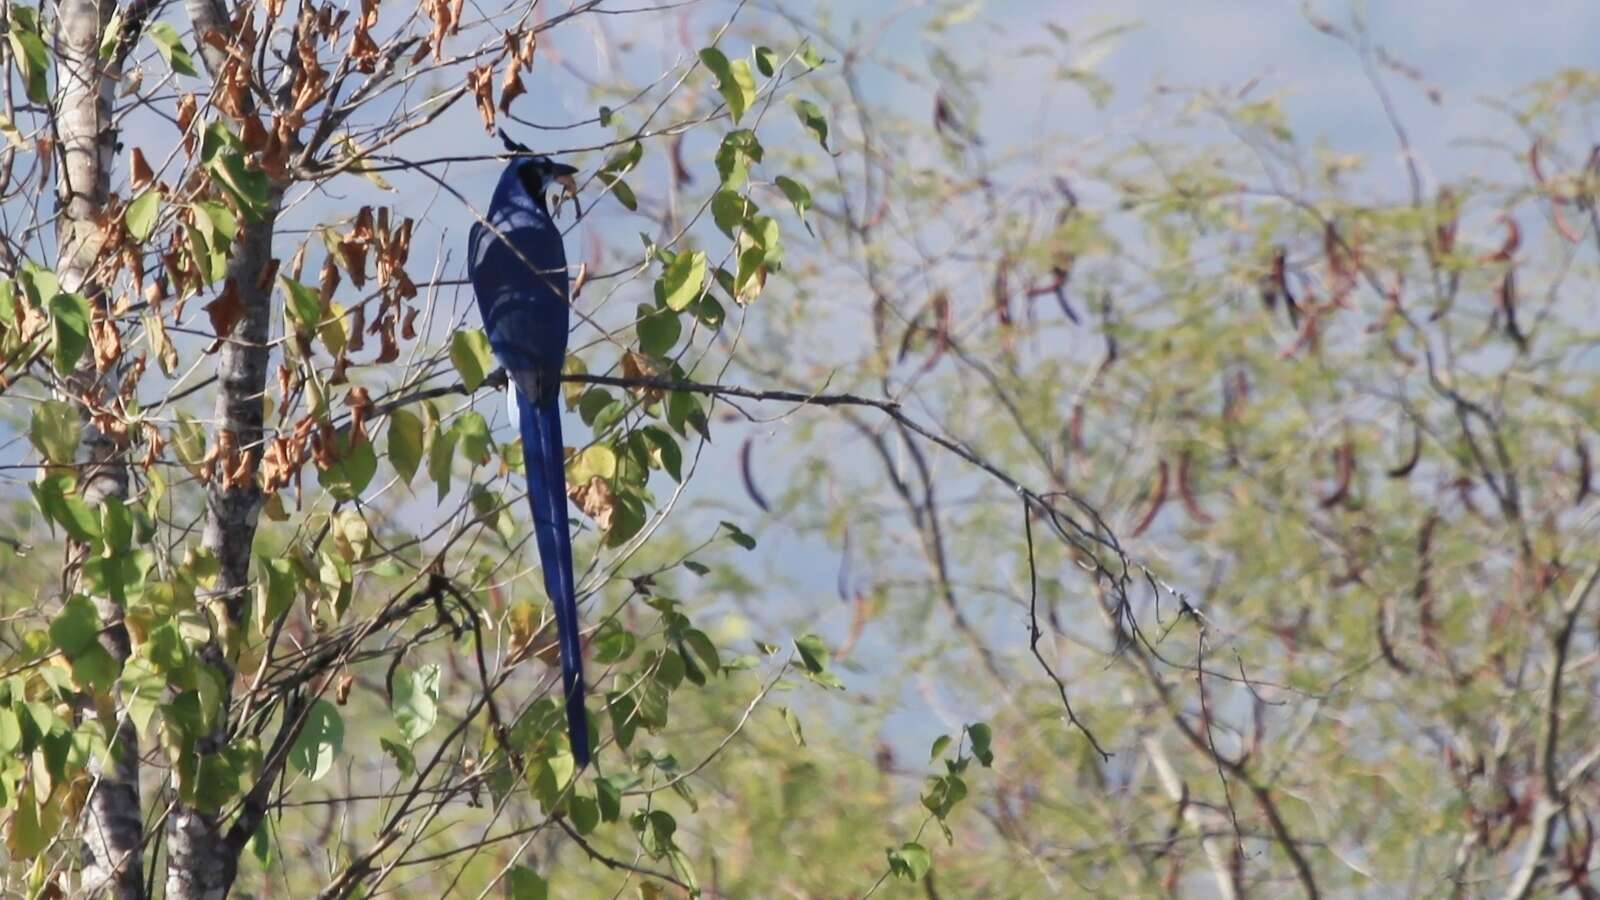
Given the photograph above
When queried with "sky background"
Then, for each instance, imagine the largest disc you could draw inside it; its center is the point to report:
(1469, 51)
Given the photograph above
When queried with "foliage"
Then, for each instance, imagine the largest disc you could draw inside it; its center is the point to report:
(1231, 518)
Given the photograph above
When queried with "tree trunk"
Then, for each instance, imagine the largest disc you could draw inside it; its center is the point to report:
(112, 829)
(201, 861)
(202, 855)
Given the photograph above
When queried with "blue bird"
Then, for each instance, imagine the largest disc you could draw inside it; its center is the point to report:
(519, 273)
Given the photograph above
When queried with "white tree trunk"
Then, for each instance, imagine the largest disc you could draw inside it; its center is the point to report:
(112, 829)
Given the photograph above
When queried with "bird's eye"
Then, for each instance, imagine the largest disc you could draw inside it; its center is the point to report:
(532, 179)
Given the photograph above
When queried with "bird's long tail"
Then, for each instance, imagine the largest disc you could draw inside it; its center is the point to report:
(544, 458)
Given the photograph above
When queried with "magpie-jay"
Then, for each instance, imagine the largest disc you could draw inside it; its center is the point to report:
(519, 273)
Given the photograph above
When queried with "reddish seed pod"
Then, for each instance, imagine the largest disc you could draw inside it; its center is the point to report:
(1158, 499)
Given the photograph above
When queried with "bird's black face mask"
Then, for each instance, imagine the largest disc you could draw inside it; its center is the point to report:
(537, 173)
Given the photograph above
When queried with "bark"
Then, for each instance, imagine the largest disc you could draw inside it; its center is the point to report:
(112, 829)
(202, 854)
(201, 860)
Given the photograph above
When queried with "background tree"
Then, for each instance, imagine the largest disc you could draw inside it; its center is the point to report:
(1228, 514)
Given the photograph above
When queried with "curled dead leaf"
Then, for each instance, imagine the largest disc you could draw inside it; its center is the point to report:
(511, 87)
(595, 499)
(107, 342)
(188, 105)
(139, 174)
(225, 312)
(360, 403)
(480, 80)
(639, 367)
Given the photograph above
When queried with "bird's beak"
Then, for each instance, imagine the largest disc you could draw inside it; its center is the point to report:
(562, 174)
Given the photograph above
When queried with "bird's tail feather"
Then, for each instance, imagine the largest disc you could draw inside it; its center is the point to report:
(544, 459)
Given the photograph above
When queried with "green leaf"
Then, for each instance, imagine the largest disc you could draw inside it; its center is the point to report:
(416, 702)
(683, 279)
(54, 430)
(813, 652)
(216, 783)
(76, 627)
(116, 527)
(704, 650)
(472, 435)
(619, 164)
(734, 81)
(319, 742)
(624, 194)
(709, 311)
(683, 867)
(943, 794)
(911, 861)
(111, 36)
(585, 813)
(665, 452)
(799, 195)
(10, 731)
(623, 161)
(470, 354)
(809, 56)
(612, 643)
(739, 149)
(440, 455)
(811, 117)
(69, 319)
(753, 266)
(765, 60)
(549, 779)
(980, 736)
(401, 754)
(302, 305)
(348, 477)
(683, 410)
(940, 744)
(738, 536)
(591, 403)
(608, 796)
(216, 221)
(655, 828)
(170, 46)
(246, 184)
(792, 721)
(523, 883)
(142, 689)
(729, 210)
(405, 443)
(32, 826)
(659, 330)
(140, 216)
(275, 589)
(51, 495)
(29, 52)
(597, 460)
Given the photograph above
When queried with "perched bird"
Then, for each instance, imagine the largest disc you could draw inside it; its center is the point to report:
(519, 273)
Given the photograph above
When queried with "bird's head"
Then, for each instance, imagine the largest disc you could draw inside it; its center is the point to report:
(537, 172)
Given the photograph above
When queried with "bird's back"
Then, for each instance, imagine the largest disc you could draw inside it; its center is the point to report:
(520, 277)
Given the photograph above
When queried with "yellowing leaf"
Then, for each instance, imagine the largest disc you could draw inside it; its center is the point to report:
(469, 353)
(683, 279)
(734, 81)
